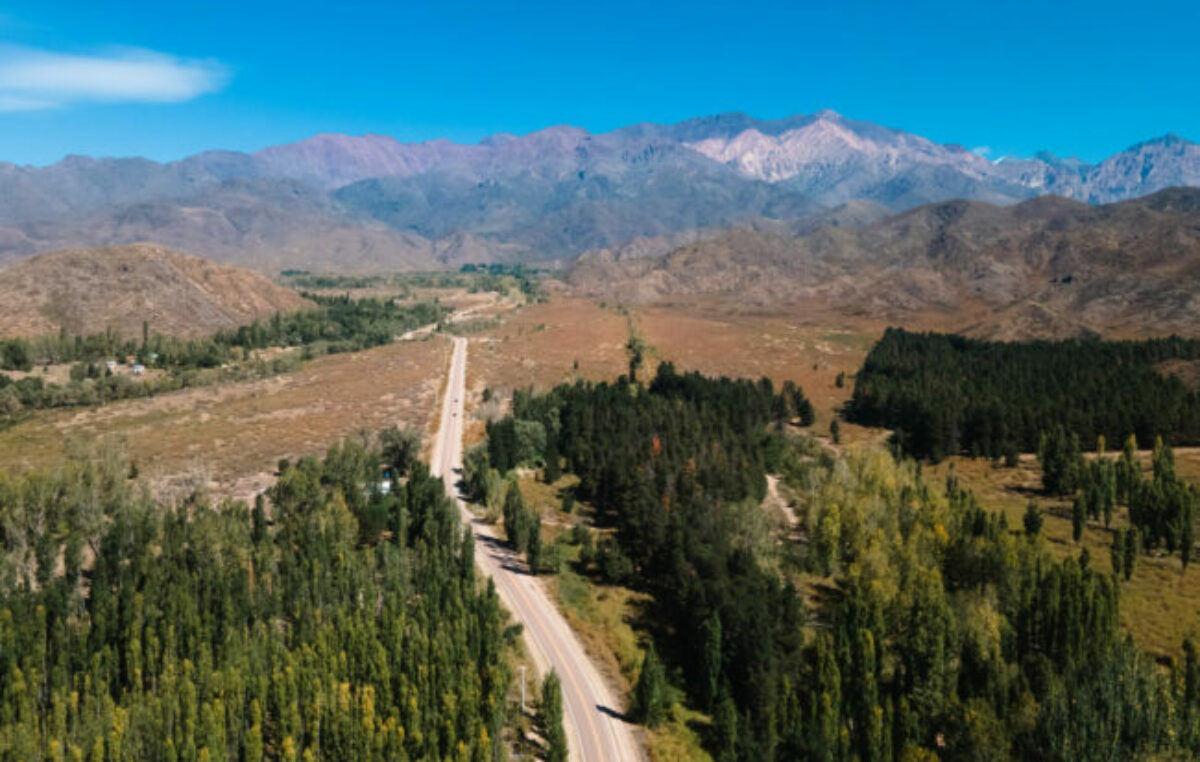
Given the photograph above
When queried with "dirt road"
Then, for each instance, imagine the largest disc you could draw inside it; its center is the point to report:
(595, 733)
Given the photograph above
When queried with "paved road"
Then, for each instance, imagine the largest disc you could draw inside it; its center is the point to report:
(594, 732)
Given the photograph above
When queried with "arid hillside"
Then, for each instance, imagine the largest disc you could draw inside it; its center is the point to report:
(1045, 267)
(89, 290)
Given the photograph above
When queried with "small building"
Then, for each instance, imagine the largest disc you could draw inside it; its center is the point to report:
(110, 364)
(138, 369)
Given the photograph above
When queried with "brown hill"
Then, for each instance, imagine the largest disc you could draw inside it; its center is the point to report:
(89, 290)
(1044, 267)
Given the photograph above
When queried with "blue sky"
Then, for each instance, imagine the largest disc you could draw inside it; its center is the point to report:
(142, 78)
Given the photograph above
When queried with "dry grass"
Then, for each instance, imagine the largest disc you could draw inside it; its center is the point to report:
(539, 345)
(1160, 605)
(88, 290)
(545, 344)
(231, 436)
(1188, 371)
(780, 347)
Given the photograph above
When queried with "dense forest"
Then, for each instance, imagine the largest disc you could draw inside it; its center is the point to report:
(339, 324)
(935, 630)
(945, 395)
(347, 626)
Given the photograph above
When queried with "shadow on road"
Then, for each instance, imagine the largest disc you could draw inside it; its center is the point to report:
(500, 551)
(612, 713)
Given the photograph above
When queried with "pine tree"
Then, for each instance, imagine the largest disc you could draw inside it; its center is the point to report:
(711, 633)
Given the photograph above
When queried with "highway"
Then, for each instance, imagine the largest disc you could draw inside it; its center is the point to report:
(590, 708)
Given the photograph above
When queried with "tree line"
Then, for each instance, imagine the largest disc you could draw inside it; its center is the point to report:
(947, 395)
(339, 324)
(339, 619)
(937, 631)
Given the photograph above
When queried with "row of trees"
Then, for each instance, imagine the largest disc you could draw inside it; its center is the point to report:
(945, 395)
(941, 632)
(336, 620)
(339, 324)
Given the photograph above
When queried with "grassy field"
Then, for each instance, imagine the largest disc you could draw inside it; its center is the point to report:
(542, 345)
(780, 348)
(1160, 605)
(230, 437)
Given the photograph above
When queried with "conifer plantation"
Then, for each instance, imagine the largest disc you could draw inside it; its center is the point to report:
(947, 395)
(349, 625)
(936, 631)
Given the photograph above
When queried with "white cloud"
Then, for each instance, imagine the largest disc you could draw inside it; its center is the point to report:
(32, 79)
(983, 151)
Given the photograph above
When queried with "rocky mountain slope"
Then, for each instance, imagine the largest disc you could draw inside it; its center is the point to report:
(372, 202)
(89, 290)
(1044, 267)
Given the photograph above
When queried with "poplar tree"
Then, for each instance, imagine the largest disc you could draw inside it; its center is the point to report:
(552, 719)
(650, 692)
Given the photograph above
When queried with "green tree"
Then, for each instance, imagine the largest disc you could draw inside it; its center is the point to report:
(1077, 518)
(534, 550)
(650, 692)
(1117, 553)
(516, 521)
(552, 471)
(1033, 519)
(401, 448)
(1163, 460)
(1133, 546)
(713, 660)
(725, 729)
(635, 348)
(552, 719)
(1062, 461)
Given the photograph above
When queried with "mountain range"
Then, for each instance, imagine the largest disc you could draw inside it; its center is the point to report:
(371, 202)
(1047, 266)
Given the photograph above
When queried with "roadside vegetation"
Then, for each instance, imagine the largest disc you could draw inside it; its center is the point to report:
(907, 622)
